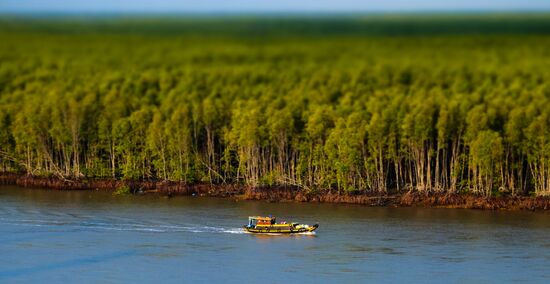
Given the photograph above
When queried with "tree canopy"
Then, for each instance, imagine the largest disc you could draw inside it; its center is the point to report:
(355, 110)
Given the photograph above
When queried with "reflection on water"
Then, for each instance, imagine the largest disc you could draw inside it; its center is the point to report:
(89, 236)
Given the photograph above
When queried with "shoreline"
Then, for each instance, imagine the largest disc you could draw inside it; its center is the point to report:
(284, 194)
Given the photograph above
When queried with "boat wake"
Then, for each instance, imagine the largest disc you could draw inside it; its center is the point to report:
(79, 225)
(307, 233)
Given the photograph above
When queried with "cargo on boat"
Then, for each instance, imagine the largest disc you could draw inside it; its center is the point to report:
(268, 225)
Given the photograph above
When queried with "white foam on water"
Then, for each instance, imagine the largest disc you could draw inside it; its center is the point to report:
(307, 233)
(235, 231)
(114, 226)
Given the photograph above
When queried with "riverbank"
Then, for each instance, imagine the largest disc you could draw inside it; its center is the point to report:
(284, 194)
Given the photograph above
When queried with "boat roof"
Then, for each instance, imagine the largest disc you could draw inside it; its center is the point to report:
(261, 217)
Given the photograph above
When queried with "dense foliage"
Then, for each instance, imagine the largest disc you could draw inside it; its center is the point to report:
(363, 108)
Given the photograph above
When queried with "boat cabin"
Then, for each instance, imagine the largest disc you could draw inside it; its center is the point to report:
(262, 221)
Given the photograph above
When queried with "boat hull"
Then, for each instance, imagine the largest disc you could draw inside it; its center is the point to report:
(275, 230)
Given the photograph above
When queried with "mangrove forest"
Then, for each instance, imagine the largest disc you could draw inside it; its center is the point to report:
(356, 104)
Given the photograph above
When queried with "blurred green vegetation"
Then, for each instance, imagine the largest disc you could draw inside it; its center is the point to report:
(284, 25)
(384, 103)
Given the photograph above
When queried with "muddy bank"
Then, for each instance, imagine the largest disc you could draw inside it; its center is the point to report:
(408, 199)
(284, 194)
(168, 188)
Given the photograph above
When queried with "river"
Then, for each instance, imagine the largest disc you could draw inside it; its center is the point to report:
(95, 237)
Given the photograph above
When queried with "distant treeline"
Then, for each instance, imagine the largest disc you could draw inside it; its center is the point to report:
(283, 25)
(447, 112)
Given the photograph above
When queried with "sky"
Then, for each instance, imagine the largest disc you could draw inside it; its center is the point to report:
(251, 6)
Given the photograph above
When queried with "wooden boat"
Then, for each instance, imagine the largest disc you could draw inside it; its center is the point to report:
(268, 225)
